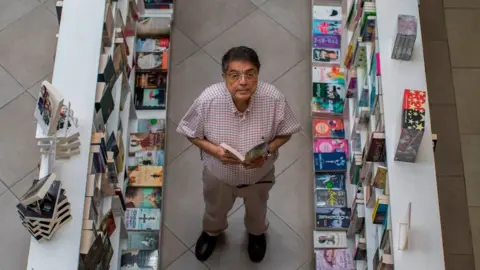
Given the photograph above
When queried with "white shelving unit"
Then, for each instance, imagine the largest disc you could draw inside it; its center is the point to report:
(75, 77)
(413, 183)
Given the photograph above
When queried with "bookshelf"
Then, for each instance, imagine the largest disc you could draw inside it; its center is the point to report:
(75, 76)
(395, 224)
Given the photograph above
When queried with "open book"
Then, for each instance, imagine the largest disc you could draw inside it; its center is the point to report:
(254, 153)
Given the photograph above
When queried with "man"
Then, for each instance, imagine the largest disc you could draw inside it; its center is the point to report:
(241, 112)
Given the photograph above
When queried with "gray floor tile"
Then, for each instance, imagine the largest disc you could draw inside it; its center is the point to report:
(308, 266)
(454, 215)
(461, 4)
(279, 54)
(475, 225)
(18, 147)
(188, 80)
(187, 261)
(432, 20)
(448, 155)
(463, 36)
(466, 83)
(34, 90)
(17, 48)
(292, 198)
(459, 262)
(258, 2)
(291, 151)
(294, 84)
(175, 142)
(284, 247)
(172, 248)
(471, 157)
(184, 47)
(3, 188)
(438, 72)
(12, 10)
(183, 201)
(20, 188)
(9, 88)
(15, 241)
(50, 5)
(203, 20)
(292, 15)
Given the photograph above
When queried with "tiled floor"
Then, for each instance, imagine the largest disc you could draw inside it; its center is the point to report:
(279, 31)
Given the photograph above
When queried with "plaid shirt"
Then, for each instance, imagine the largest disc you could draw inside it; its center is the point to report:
(214, 117)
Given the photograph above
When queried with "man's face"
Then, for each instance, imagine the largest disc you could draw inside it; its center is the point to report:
(241, 78)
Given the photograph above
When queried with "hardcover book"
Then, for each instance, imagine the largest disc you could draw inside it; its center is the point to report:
(330, 13)
(332, 128)
(334, 259)
(331, 198)
(326, 55)
(142, 219)
(327, 41)
(143, 240)
(329, 239)
(327, 27)
(334, 181)
(332, 218)
(413, 125)
(330, 161)
(324, 145)
(332, 74)
(143, 197)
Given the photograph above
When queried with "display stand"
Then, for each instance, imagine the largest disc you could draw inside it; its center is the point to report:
(76, 75)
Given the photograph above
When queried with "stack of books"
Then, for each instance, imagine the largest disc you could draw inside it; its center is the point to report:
(44, 208)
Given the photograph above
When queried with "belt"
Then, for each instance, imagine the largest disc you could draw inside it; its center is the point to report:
(261, 182)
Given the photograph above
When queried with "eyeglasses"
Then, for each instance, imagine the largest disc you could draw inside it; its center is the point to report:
(249, 76)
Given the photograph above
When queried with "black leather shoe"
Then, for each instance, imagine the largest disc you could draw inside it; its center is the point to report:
(257, 246)
(205, 246)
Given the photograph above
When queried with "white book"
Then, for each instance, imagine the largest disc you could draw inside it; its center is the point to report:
(331, 13)
(329, 239)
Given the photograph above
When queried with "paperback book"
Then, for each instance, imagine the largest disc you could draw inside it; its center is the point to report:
(330, 161)
(142, 219)
(327, 27)
(332, 218)
(139, 259)
(334, 259)
(331, 198)
(145, 176)
(325, 145)
(328, 128)
(143, 240)
(327, 41)
(332, 74)
(329, 239)
(143, 197)
(329, 13)
(326, 55)
(333, 181)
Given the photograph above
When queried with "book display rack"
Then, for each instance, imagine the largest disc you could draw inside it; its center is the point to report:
(373, 156)
(110, 153)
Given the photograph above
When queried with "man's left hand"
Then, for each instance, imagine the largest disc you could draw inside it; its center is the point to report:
(256, 163)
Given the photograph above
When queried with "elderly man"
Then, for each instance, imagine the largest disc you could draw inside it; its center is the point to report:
(241, 112)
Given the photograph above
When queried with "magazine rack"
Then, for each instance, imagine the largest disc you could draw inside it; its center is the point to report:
(75, 76)
(412, 213)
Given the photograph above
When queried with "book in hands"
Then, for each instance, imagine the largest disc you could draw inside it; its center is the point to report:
(252, 154)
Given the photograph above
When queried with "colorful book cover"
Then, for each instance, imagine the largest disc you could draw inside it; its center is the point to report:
(143, 240)
(152, 44)
(323, 105)
(332, 218)
(334, 259)
(328, 128)
(330, 161)
(331, 13)
(152, 79)
(143, 197)
(326, 239)
(334, 181)
(141, 219)
(332, 74)
(326, 55)
(154, 157)
(330, 91)
(327, 27)
(327, 41)
(330, 145)
(145, 141)
(151, 125)
(331, 198)
(145, 176)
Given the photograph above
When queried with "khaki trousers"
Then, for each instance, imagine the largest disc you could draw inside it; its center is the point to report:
(219, 199)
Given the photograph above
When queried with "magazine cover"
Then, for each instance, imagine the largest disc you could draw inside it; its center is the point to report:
(327, 239)
(334, 259)
(143, 240)
(143, 197)
(334, 181)
(328, 75)
(330, 13)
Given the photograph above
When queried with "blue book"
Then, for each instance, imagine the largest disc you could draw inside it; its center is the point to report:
(336, 161)
(334, 181)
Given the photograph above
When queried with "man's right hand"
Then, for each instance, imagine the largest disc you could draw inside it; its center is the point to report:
(226, 157)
